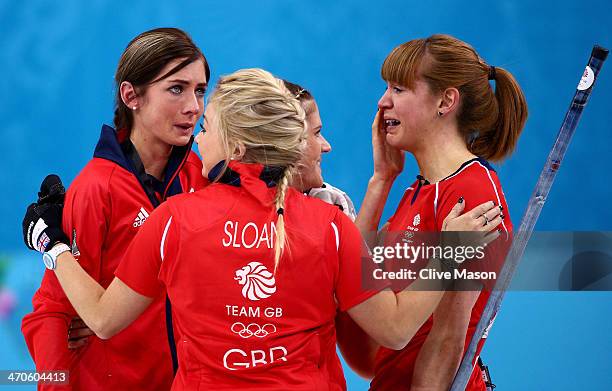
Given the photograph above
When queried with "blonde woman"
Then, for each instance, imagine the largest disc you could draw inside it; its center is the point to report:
(256, 271)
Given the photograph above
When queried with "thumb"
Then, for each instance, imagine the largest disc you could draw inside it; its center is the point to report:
(457, 209)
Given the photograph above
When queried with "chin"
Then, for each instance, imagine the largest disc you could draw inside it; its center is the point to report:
(391, 138)
(315, 182)
(180, 141)
(396, 142)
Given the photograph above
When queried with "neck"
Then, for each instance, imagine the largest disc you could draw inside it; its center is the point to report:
(442, 154)
(153, 152)
(297, 184)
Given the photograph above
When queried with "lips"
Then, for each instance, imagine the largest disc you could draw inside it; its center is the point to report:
(390, 123)
(185, 127)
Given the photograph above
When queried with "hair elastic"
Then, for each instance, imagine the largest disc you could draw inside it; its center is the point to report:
(492, 73)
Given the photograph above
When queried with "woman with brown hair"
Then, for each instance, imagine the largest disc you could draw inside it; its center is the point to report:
(439, 106)
(160, 81)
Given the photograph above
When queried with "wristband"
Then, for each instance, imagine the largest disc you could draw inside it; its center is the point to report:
(50, 257)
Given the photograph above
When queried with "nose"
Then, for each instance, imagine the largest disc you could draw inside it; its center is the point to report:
(197, 138)
(325, 145)
(385, 101)
(192, 105)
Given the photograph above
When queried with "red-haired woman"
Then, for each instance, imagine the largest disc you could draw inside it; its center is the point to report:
(441, 107)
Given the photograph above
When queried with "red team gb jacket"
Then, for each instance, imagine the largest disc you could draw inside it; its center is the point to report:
(244, 326)
(105, 207)
(423, 208)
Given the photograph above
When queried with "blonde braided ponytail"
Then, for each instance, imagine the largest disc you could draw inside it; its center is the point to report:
(279, 203)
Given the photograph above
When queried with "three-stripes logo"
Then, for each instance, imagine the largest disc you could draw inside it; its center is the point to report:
(141, 218)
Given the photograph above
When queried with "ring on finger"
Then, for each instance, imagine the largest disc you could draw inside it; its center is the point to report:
(486, 219)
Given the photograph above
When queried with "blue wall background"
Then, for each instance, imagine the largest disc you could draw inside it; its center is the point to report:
(56, 88)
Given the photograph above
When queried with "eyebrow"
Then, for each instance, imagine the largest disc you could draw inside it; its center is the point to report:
(186, 82)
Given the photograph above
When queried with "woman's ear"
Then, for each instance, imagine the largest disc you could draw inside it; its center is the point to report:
(449, 101)
(239, 152)
(129, 96)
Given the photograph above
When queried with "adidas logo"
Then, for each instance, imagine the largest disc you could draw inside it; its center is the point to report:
(141, 218)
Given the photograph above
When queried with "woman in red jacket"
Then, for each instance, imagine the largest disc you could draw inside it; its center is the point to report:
(439, 106)
(255, 270)
(160, 80)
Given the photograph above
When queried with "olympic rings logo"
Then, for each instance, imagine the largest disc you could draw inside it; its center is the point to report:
(253, 329)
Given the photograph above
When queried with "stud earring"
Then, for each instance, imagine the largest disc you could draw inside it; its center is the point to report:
(440, 114)
(133, 107)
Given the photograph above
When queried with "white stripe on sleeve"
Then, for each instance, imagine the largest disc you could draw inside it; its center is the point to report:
(163, 239)
(496, 195)
(337, 236)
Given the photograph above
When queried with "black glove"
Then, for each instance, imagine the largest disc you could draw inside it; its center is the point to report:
(42, 223)
(52, 191)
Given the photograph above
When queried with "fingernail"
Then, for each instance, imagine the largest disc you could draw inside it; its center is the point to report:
(501, 207)
(460, 200)
(502, 216)
(499, 230)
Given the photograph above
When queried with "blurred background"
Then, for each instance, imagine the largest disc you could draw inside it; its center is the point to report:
(56, 77)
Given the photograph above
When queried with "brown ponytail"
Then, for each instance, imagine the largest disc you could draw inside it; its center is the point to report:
(499, 141)
(490, 120)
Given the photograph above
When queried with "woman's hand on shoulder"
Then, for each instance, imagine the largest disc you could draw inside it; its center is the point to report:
(484, 217)
(483, 220)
